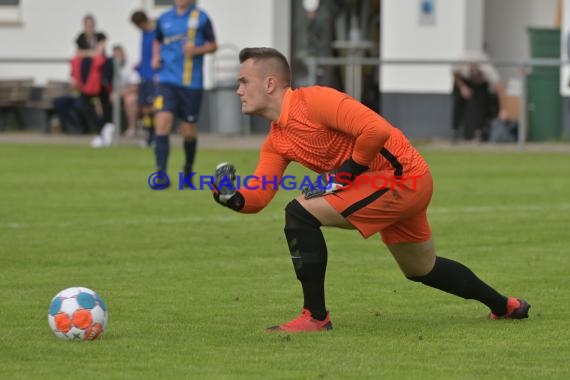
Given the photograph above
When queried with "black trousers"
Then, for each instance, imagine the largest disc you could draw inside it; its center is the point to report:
(95, 120)
(475, 113)
(70, 115)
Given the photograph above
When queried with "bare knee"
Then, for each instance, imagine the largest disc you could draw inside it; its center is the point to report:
(414, 259)
(324, 212)
(163, 123)
(188, 131)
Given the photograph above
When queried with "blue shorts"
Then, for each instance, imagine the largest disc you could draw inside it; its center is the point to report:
(183, 103)
(147, 92)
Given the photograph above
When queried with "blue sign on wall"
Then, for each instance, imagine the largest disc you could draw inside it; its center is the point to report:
(427, 12)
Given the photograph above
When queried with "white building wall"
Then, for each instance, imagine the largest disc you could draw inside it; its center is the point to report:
(506, 23)
(403, 37)
(500, 25)
(474, 21)
(247, 23)
(47, 29)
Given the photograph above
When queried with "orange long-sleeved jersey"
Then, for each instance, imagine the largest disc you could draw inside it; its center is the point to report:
(321, 128)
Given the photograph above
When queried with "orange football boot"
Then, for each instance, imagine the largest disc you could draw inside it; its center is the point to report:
(516, 309)
(304, 322)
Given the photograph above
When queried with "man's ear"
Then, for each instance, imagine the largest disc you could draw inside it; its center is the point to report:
(270, 84)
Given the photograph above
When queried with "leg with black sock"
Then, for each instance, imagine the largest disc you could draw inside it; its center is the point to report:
(147, 122)
(161, 151)
(190, 154)
(455, 278)
(309, 255)
(150, 136)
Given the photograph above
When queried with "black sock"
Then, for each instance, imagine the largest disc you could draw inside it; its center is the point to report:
(455, 278)
(149, 136)
(190, 151)
(161, 151)
(309, 255)
(313, 284)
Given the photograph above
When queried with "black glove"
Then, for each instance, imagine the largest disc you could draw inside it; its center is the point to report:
(225, 181)
(225, 191)
(349, 170)
(336, 180)
(324, 185)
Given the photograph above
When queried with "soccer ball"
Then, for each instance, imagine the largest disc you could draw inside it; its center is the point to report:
(77, 313)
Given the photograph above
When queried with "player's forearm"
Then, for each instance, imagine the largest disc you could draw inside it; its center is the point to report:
(192, 51)
(256, 200)
(459, 82)
(248, 196)
(244, 201)
(208, 47)
(252, 192)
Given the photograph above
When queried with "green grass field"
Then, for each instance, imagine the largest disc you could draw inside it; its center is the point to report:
(191, 286)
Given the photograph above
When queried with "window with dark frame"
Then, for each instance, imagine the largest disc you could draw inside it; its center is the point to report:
(10, 12)
(163, 3)
(9, 3)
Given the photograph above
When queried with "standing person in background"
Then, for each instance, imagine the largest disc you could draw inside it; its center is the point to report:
(90, 43)
(88, 69)
(479, 96)
(147, 86)
(128, 89)
(184, 34)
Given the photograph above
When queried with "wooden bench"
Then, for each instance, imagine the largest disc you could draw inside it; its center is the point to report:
(44, 101)
(52, 90)
(14, 94)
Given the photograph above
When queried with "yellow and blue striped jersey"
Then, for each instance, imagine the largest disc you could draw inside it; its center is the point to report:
(173, 31)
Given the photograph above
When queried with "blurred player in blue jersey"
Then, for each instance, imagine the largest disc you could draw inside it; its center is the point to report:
(147, 86)
(184, 34)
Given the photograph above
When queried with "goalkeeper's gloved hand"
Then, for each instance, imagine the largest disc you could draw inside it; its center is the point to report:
(336, 180)
(224, 182)
(325, 184)
(224, 187)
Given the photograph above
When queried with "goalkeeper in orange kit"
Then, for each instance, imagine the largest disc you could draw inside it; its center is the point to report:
(333, 134)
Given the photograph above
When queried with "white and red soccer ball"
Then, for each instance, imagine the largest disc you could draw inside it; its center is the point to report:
(77, 313)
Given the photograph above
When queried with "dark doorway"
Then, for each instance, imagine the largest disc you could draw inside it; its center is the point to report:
(323, 29)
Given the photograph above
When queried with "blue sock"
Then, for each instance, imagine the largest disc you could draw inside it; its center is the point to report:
(161, 151)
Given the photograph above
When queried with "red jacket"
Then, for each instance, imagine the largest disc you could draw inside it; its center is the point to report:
(87, 73)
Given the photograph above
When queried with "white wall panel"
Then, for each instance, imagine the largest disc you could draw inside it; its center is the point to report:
(403, 37)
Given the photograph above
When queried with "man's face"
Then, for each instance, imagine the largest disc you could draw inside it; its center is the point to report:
(119, 54)
(251, 88)
(183, 3)
(89, 25)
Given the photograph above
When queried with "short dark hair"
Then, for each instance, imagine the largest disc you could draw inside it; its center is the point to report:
(267, 54)
(139, 18)
(90, 17)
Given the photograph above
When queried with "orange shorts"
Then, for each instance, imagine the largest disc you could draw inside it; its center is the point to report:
(377, 202)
